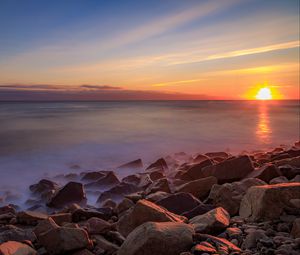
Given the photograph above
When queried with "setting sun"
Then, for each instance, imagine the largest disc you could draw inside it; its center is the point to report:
(264, 94)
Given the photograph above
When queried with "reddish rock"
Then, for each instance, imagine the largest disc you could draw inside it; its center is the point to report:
(43, 186)
(199, 210)
(97, 226)
(136, 164)
(159, 164)
(105, 245)
(142, 212)
(13, 233)
(219, 154)
(124, 205)
(159, 185)
(7, 209)
(61, 218)
(156, 175)
(268, 202)
(296, 228)
(108, 181)
(232, 169)
(199, 158)
(266, 173)
(16, 248)
(168, 238)
(31, 217)
(72, 192)
(83, 214)
(132, 179)
(204, 247)
(198, 188)
(154, 197)
(179, 203)
(195, 171)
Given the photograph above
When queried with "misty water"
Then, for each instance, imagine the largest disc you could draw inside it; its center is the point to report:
(40, 140)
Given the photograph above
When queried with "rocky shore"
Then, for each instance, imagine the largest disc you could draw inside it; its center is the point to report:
(213, 203)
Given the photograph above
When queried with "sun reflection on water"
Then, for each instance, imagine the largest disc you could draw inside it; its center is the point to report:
(263, 129)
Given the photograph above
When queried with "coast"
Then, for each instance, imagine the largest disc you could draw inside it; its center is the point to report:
(212, 203)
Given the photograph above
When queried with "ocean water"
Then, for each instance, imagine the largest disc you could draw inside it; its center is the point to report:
(39, 139)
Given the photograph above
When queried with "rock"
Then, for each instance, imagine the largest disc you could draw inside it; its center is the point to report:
(252, 238)
(268, 202)
(116, 237)
(229, 195)
(230, 170)
(296, 228)
(179, 203)
(213, 221)
(136, 164)
(118, 192)
(280, 179)
(142, 212)
(108, 181)
(198, 188)
(168, 238)
(203, 247)
(200, 209)
(132, 179)
(62, 240)
(83, 252)
(199, 158)
(61, 218)
(218, 154)
(289, 171)
(16, 248)
(159, 164)
(124, 205)
(72, 192)
(103, 244)
(43, 186)
(295, 162)
(159, 185)
(97, 226)
(92, 176)
(7, 209)
(266, 173)
(82, 214)
(30, 217)
(153, 197)
(195, 171)
(13, 233)
(156, 175)
(109, 203)
(44, 226)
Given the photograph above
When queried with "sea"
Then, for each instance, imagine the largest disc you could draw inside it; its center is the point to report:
(44, 139)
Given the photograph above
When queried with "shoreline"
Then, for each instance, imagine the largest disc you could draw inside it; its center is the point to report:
(224, 204)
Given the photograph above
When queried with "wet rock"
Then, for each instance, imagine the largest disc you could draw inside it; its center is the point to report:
(136, 164)
(118, 192)
(213, 221)
(142, 212)
(13, 233)
(296, 228)
(229, 195)
(44, 226)
(124, 205)
(43, 186)
(97, 226)
(269, 201)
(116, 237)
(72, 192)
(83, 252)
(153, 197)
(230, 170)
(30, 217)
(280, 179)
(156, 175)
(203, 247)
(159, 185)
(289, 171)
(198, 188)
(132, 179)
(16, 248)
(62, 240)
(61, 218)
(194, 172)
(171, 238)
(92, 176)
(253, 237)
(106, 182)
(159, 164)
(179, 203)
(7, 209)
(266, 173)
(200, 209)
(85, 214)
(104, 244)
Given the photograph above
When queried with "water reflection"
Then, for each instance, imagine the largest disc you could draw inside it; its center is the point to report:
(263, 129)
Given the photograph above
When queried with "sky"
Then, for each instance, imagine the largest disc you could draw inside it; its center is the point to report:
(138, 49)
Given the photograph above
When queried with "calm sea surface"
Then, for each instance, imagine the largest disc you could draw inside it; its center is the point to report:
(37, 139)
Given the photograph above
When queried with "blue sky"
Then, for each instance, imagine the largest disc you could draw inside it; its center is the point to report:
(167, 46)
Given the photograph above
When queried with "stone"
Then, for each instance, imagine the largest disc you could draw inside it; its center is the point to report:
(13, 233)
(230, 170)
(296, 228)
(252, 238)
(104, 244)
(266, 173)
(61, 218)
(213, 221)
(159, 164)
(43, 186)
(97, 226)
(118, 192)
(16, 248)
(62, 240)
(30, 217)
(132, 179)
(268, 202)
(83, 252)
(289, 171)
(229, 195)
(156, 175)
(156, 196)
(194, 172)
(200, 209)
(124, 205)
(295, 161)
(136, 164)
(203, 247)
(44, 226)
(7, 209)
(159, 185)
(168, 238)
(142, 212)
(179, 203)
(198, 188)
(92, 176)
(72, 192)
(279, 179)
(108, 181)
(83, 214)
(116, 237)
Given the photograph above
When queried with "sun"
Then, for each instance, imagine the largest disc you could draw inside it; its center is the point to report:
(264, 94)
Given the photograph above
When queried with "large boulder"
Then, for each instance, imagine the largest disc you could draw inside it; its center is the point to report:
(194, 172)
(72, 192)
(13, 233)
(213, 221)
(230, 170)
(16, 248)
(142, 212)
(30, 217)
(266, 173)
(268, 202)
(168, 238)
(179, 202)
(296, 228)
(61, 240)
(159, 185)
(44, 189)
(159, 164)
(135, 164)
(92, 176)
(198, 188)
(97, 226)
(106, 182)
(199, 210)
(229, 195)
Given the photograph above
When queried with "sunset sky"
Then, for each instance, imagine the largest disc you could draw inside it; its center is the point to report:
(163, 49)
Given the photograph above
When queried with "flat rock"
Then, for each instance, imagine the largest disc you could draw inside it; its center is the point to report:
(268, 202)
(97, 226)
(168, 238)
(13, 233)
(159, 164)
(230, 170)
(108, 181)
(142, 212)
(266, 173)
(30, 217)
(194, 172)
(179, 202)
(135, 164)
(72, 192)
(16, 248)
(200, 209)
(213, 221)
(198, 188)
(159, 185)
